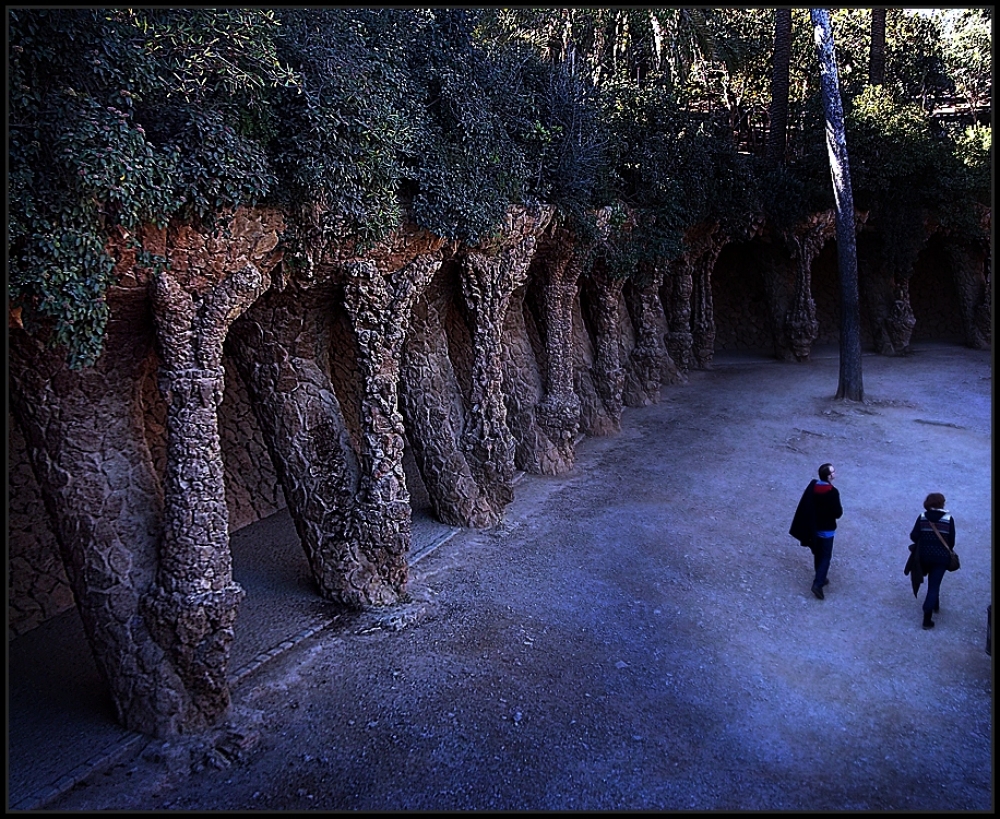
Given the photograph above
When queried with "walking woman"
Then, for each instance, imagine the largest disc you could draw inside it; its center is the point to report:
(934, 537)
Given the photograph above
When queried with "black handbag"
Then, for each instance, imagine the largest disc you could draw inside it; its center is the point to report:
(955, 565)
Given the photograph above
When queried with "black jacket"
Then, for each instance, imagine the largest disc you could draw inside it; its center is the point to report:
(818, 511)
(931, 551)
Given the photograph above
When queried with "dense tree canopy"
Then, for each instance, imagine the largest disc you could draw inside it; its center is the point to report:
(352, 120)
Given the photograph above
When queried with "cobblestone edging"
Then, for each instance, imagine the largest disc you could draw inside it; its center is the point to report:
(133, 745)
(113, 753)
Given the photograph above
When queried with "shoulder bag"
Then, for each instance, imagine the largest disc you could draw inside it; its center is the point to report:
(954, 566)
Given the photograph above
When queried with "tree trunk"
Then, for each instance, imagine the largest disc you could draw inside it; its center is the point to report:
(850, 386)
(876, 63)
(779, 87)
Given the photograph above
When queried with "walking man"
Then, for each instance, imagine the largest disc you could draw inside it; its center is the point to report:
(815, 523)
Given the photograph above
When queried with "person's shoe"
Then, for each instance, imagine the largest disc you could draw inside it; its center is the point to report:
(937, 607)
(818, 591)
(928, 623)
(826, 582)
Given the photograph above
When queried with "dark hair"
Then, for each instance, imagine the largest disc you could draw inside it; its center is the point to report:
(935, 500)
(824, 471)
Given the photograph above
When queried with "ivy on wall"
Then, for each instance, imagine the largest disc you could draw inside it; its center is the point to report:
(351, 120)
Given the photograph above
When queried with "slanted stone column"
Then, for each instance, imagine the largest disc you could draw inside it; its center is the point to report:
(705, 252)
(431, 401)
(194, 605)
(650, 365)
(884, 285)
(491, 274)
(676, 293)
(605, 297)
(688, 297)
(780, 272)
(801, 326)
(380, 297)
(281, 347)
(85, 437)
(899, 323)
(972, 286)
(703, 316)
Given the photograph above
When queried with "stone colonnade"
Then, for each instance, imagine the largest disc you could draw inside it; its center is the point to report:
(484, 359)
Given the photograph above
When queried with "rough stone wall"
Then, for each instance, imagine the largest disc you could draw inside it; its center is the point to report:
(344, 374)
(740, 301)
(37, 585)
(252, 488)
(595, 417)
(37, 588)
(933, 298)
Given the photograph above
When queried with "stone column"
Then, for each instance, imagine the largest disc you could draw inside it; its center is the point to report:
(779, 286)
(703, 316)
(432, 404)
(677, 290)
(885, 292)
(650, 365)
(706, 245)
(85, 437)
(194, 605)
(801, 326)
(558, 413)
(972, 286)
(281, 347)
(380, 298)
(539, 448)
(608, 374)
(491, 274)
(898, 324)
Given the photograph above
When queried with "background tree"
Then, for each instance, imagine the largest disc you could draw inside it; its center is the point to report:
(778, 125)
(968, 57)
(876, 65)
(851, 384)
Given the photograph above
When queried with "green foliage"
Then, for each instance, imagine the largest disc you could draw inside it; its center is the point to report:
(468, 163)
(226, 60)
(649, 129)
(892, 148)
(788, 196)
(78, 165)
(351, 120)
(675, 171)
(122, 118)
(567, 143)
(967, 176)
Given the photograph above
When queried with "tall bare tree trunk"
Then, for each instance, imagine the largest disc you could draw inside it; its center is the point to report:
(876, 63)
(779, 87)
(850, 386)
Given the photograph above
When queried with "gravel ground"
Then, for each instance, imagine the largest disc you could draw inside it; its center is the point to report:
(640, 633)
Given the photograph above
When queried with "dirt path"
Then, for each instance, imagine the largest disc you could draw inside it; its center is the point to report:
(640, 634)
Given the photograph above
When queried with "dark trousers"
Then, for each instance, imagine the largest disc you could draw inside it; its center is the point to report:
(935, 575)
(822, 553)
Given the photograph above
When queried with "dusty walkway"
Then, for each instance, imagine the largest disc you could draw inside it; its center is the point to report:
(640, 634)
